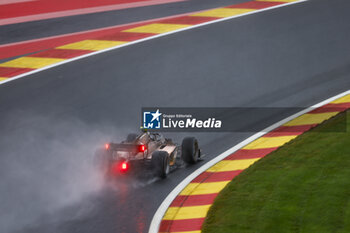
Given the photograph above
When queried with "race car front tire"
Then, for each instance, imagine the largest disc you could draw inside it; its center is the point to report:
(190, 150)
(160, 163)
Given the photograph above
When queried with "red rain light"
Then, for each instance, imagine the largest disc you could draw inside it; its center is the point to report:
(124, 166)
(107, 146)
(142, 148)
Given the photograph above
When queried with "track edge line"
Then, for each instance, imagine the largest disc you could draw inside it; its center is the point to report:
(157, 217)
(146, 39)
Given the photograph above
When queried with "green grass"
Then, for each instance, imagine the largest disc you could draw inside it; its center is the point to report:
(302, 187)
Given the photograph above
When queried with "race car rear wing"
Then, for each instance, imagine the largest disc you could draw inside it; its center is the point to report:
(134, 148)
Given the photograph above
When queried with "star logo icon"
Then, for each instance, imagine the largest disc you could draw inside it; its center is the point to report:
(156, 115)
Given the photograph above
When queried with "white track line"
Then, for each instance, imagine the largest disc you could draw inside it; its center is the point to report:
(7, 2)
(157, 218)
(145, 39)
(89, 10)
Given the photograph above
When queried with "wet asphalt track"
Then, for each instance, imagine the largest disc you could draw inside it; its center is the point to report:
(57, 26)
(289, 57)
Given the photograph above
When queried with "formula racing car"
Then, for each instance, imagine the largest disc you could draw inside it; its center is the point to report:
(148, 150)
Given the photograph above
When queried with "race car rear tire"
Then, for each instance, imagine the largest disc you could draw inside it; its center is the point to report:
(160, 163)
(190, 150)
